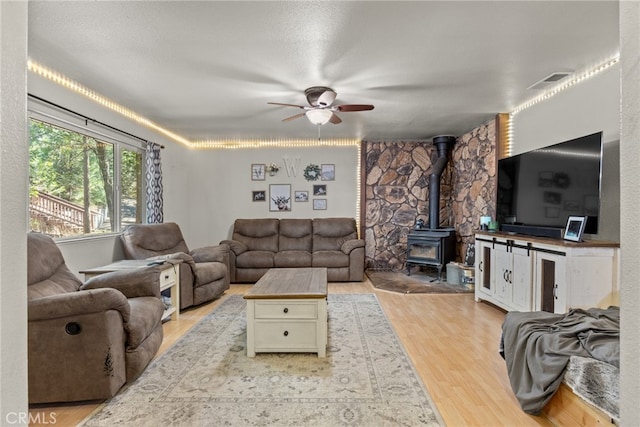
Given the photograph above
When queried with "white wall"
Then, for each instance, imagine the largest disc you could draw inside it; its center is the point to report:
(590, 106)
(630, 192)
(221, 187)
(13, 202)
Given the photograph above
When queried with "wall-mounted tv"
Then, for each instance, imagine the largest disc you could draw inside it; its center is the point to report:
(538, 190)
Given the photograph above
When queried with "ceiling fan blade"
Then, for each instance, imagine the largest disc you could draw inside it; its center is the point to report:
(297, 116)
(354, 107)
(335, 119)
(285, 105)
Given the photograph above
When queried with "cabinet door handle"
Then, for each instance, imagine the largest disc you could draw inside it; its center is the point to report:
(286, 333)
(286, 310)
(510, 276)
(555, 291)
(480, 265)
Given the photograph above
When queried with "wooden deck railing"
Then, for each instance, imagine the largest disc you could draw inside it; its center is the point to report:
(54, 207)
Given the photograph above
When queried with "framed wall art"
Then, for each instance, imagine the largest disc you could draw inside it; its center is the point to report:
(319, 204)
(301, 196)
(327, 172)
(258, 172)
(280, 197)
(320, 190)
(259, 196)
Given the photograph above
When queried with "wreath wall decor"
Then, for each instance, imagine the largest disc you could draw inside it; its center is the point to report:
(312, 172)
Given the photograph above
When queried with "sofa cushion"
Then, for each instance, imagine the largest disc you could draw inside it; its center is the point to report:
(255, 259)
(145, 314)
(207, 272)
(257, 234)
(329, 234)
(330, 259)
(295, 235)
(292, 259)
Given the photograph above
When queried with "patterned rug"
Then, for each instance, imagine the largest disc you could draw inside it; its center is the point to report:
(418, 283)
(206, 378)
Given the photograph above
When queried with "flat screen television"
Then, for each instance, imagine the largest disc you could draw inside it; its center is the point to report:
(538, 190)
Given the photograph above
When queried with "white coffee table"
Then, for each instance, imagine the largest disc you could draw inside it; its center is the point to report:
(287, 312)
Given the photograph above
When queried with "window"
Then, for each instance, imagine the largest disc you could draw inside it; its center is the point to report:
(81, 184)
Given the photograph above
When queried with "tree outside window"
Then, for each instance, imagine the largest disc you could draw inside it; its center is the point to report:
(72, 190)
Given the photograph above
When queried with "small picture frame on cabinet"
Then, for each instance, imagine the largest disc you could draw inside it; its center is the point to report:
(575, 228)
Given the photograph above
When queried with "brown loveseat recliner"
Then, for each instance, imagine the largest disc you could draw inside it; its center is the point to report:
(87, 340)
(260, 244)
(204, 272)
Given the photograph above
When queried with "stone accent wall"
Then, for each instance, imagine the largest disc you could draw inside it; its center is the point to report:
(397, 192)
(474, 182)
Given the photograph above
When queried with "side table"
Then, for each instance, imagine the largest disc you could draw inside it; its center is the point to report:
(169, 279)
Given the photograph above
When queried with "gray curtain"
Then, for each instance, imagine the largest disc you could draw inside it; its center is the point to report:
(153, 183)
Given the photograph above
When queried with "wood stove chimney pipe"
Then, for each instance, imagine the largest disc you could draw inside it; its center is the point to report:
(443, 144)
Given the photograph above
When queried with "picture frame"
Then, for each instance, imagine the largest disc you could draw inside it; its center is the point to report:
(327, 172)
(258, 171)
(319, 204)
(259, 196)
(320, 190)
(280, 197)
(574, 228)
(301, 196)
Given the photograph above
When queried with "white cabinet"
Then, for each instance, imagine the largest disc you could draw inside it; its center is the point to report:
(485, 258)
(505, 269)
(525, 274)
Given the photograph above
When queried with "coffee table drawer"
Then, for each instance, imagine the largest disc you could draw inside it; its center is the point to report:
(286, 310)
(282, 335)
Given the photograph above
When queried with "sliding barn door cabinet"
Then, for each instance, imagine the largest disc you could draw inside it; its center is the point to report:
(521, 273)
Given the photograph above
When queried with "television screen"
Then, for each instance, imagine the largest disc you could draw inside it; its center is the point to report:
(545, 186)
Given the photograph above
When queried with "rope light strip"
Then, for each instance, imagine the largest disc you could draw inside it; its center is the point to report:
(76, 87)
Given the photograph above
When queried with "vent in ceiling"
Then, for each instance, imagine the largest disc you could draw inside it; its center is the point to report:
(550, 80)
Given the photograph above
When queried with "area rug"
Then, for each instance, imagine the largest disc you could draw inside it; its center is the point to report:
(417, 283)
(206, 378)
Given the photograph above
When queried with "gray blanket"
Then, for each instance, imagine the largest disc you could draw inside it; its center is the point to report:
(537, 346)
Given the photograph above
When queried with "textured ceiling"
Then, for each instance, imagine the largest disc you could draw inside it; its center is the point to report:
(206, 70)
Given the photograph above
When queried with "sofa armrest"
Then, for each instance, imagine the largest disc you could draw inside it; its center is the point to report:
(78, 303)
(235, 246)
(139, 282)
(211, 254)
(350, 245)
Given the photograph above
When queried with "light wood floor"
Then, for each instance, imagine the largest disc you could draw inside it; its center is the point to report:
(451, 339)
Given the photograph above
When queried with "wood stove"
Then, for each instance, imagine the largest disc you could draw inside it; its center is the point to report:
(434, 248)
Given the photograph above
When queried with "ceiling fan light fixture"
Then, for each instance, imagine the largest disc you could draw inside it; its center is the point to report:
(319, 117)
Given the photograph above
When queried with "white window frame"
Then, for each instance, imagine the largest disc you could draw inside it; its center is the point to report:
(48, 113)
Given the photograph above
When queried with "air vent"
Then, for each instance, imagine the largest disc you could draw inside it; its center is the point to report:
(548, 81)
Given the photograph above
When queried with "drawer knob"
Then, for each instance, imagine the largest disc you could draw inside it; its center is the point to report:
(286, 310)
(166, 276)
(286, 333)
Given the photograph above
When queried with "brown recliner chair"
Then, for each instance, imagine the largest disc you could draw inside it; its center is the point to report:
(204, 272)
(87, 340)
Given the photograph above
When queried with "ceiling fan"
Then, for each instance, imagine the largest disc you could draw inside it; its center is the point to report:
(320, 109)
